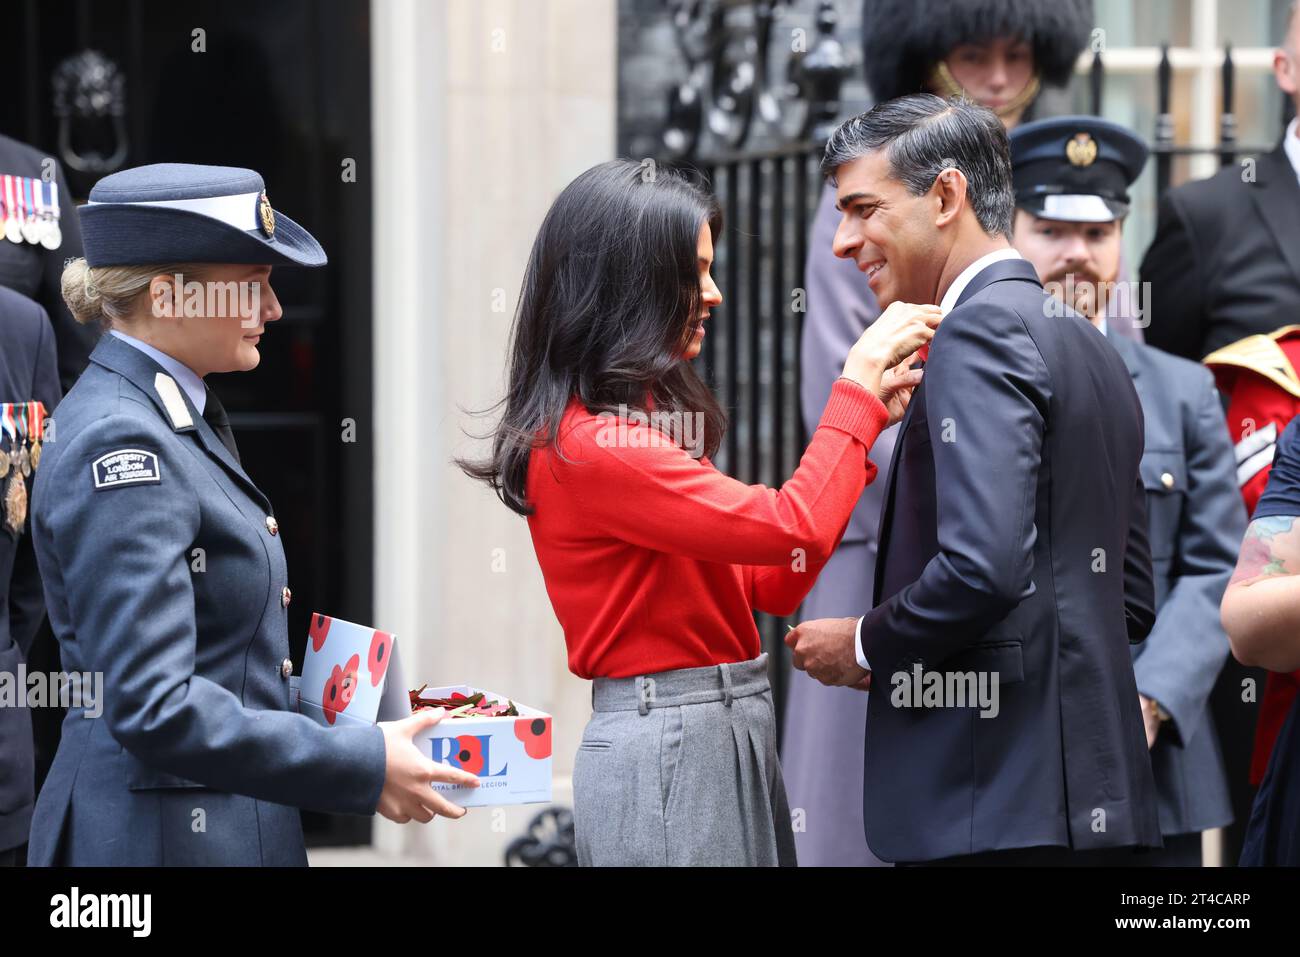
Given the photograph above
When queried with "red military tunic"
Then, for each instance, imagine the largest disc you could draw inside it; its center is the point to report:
(1258, 375)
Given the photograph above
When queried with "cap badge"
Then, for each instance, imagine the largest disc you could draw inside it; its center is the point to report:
(266, 215)
(1081, 150)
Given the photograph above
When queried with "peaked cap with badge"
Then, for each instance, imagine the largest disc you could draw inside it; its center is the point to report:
(164, 572)
(177, 212)
(1075, 168)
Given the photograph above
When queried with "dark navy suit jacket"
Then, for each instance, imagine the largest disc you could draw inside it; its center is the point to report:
(199, 756)
(1013, 541)
(37, 272)
(28, 373)
(1225, 260)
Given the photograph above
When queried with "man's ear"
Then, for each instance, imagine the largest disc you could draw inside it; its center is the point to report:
(1284, 71)
(950, 192)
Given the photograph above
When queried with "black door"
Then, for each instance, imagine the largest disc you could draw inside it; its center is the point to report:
(283, 87)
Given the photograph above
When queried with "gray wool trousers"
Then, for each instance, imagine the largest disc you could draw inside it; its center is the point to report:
(680, 768)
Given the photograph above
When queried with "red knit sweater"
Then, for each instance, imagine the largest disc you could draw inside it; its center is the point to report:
(655, 560)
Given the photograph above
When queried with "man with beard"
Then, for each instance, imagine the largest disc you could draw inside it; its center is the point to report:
(1071, 176)
(1013, 545)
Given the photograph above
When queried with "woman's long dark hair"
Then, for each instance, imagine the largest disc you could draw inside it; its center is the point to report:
(611, 287)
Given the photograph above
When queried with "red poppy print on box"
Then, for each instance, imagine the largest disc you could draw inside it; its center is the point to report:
(340, 688)
(319, 628)
(535, 733)
(380, 651)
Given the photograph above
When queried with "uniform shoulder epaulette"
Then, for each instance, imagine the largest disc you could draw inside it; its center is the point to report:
(170, 393)
(1262, 355)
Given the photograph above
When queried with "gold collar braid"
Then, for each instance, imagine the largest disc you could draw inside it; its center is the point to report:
(943, 79)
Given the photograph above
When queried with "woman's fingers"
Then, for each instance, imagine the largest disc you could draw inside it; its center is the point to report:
(906, 363)
(898, 381)
(441, 806)
(422, 803)
(446, 774)
(423, 719)
(915, 331)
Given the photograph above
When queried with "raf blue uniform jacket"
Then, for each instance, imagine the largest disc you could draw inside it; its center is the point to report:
(1196, 522)
(28, 372)
(199, 756)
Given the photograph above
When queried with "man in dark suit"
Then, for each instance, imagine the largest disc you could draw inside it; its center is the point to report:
(1225, 261)
(1070, 209)
(36, 269)
(27, 374)
(1014, 569)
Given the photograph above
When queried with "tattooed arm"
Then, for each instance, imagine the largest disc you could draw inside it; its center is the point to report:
(1261, 607)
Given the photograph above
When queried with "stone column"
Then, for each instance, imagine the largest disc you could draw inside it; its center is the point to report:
(483, 111)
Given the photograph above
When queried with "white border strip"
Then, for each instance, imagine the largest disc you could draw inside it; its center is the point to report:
(239, 210)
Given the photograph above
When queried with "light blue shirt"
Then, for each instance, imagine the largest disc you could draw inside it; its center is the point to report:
(185, 377)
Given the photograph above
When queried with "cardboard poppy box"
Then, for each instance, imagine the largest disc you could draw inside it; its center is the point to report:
(353, 674)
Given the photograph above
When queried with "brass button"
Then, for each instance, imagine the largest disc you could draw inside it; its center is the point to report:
(1167, 480)
(272, 525)
(286, 596)
(286, 669)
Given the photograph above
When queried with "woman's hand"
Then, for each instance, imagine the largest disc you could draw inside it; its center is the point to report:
(888, 342)
(408, 775)
(896, 387)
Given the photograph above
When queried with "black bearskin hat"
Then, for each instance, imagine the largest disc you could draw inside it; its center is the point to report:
(903, 40)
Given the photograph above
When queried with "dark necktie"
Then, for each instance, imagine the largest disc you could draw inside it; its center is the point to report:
(214, 413)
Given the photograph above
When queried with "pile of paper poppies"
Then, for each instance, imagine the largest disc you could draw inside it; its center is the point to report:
(458, 705)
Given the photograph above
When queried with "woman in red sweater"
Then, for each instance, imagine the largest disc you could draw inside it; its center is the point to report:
(655, 561)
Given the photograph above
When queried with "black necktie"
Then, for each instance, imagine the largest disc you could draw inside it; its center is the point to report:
(214, 413)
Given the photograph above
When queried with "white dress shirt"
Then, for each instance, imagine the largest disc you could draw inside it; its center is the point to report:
(946, 304)
(185, 377)
(1291, 145)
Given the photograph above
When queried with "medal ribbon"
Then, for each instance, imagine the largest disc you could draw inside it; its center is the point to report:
(9, 197)
(22, 423)
(29, 204)
(7, 421)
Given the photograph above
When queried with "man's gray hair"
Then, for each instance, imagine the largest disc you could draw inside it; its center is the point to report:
(923, 136)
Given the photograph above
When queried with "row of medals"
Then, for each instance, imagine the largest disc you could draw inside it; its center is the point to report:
(37, 231)
(17, 465)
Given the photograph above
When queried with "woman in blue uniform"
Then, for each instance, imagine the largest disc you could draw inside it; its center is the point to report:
(162, 561)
